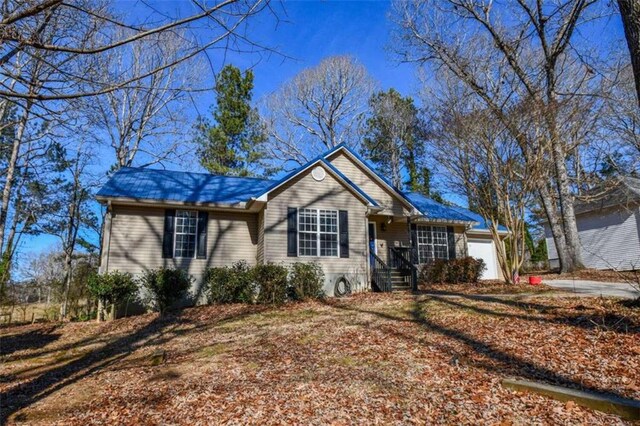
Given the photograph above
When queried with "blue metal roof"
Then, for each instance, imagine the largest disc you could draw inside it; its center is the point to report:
(482, 224)
(169, 185)
(427, 206)
(433, 210)
(202, 188)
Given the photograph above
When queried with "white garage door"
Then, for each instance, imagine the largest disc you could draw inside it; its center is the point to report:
(484, 249)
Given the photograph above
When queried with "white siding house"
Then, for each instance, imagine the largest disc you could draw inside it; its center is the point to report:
(609, 229)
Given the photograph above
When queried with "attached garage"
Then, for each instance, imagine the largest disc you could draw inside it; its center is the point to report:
(484, 248)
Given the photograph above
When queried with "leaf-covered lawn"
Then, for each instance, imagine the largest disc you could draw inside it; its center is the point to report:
(374, 359)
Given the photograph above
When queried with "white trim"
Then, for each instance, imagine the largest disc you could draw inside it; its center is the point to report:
(337, 233)
(432, 244)
(175, 234)
(486, 232)
(124, 201)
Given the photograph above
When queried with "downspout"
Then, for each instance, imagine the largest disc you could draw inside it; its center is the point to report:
(110, 214)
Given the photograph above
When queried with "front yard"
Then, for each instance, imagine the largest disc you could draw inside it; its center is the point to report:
(372, 358)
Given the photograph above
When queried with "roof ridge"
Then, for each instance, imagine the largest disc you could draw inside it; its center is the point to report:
(194, 173)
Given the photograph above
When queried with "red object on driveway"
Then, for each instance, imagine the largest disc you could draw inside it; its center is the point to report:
(535, 280)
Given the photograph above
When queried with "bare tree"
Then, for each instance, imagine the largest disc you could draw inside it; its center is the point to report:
(621, 127)
(516, 54)
(71, 214)
(480, 160)
(147, 118)
(50, 55)
(24, 23)
(320, 108)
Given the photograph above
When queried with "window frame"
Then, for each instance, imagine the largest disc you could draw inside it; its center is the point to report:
(195, 234)
(318, 232)
(431, 242)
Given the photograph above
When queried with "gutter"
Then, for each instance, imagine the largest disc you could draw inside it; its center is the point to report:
(171, 203)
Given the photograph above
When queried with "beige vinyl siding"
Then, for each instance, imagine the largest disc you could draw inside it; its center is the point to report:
(368, 184)
(394, 232)
(461, 241)
(306, 192)
(137, 232)
(260, 252)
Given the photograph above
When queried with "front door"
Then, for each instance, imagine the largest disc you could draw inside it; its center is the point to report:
(373, 246)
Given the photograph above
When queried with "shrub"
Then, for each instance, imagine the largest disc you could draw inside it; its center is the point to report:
(165, 286)
(111, 288)
(306, 281)
(271, 282)
(233, 284)
(454, 271)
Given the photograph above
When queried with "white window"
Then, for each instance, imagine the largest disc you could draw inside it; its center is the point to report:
(185, 233)
(317, 232)
(432, 243)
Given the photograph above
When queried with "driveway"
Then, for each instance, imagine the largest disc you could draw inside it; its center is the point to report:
(595, 288)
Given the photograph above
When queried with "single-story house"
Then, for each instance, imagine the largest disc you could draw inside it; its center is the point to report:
(336, 210)
(608, 227)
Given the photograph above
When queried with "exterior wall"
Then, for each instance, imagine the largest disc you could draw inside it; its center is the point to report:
(395, 232)
(261, 248)
(609, 239)
(136, 242)
(305, 192)
(461, 241)
(393, 206)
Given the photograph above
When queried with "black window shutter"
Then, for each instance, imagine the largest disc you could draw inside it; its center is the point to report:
(292, 231)
(414, 243)
(167, 238)
(343, 225)
(451, 241)
(203, 222)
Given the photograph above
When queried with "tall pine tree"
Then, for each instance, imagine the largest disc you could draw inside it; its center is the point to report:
(234, 143)
(393, 141)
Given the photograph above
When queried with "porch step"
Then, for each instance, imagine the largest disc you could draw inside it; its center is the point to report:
(401, 288)
(400, 281)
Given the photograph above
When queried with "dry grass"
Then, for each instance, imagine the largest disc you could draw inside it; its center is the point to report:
(487, 287)
(386, 359)
(591, 275)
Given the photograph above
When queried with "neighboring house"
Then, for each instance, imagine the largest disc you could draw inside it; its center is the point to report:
(334, 210)
(609, 228)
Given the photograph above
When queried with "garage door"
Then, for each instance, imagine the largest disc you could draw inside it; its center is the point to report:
(484, 249)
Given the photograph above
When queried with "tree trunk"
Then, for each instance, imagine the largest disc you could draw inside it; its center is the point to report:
(555, 225)
(10, 176)
(100, 310)
(67, 285)
(573, 259)
(630, 11)
(396, 179)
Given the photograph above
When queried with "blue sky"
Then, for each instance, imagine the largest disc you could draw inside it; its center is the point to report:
(306, 32)
(309, 31)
